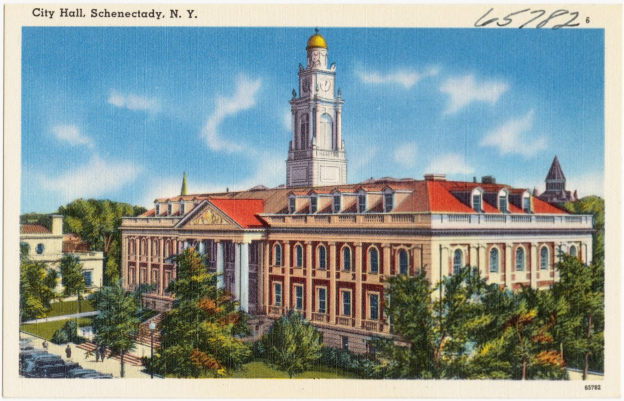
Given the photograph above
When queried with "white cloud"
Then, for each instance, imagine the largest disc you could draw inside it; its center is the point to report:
(512, 138)
(449, 163)
(403, 77)
(244, 98)
(589, 183)
(465, 90)
(71, 134)
(134, 102)
(405, 154)
(270, 172)
(287, 120)
(98, 177)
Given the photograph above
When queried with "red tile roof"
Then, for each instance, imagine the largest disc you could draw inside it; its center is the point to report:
(242, 211)
(34, 229)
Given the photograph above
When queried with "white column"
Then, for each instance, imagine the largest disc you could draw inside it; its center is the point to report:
(473, 249)
(220, 265)
(508, 261)
(124, 263)
(244, 276)
(533, 266)
(161, 270)
(338, 129)
(237, 269)
(482, 263)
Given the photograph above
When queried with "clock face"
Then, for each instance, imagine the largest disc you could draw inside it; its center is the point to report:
(325, 84)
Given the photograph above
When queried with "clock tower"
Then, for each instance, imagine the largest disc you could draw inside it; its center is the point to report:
(317, 153)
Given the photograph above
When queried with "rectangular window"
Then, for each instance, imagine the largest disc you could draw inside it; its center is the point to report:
(388, 202)
(291, 205)
(322, 300)
(169, 209)
(373, 301)
(476, 203)
(526, 204)
(277, 289)
(87, 278)
(182, 208)
(157, 209)
(299, 297)
(313, 204)
(361, 203)
(503, 204)
(345, 342)
(337, 205)
(346, 303)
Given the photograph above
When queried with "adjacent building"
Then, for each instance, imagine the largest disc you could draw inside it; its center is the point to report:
(323, 247)
(49, 246)
(556, 191)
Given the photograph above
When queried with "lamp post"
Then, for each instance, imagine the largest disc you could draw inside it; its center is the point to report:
(152, 327)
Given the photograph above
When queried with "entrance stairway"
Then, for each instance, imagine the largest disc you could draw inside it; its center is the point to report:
(144, 332)
(130, 359)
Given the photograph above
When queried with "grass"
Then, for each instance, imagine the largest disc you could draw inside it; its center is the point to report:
(69, 308)
(261, 370)
(47, 329)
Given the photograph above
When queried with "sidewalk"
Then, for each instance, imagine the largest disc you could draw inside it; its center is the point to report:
(109, 365)
(63, 317)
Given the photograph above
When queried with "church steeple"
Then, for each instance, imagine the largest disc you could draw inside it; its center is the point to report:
(316, 154)
(183, 191)
(555, 179)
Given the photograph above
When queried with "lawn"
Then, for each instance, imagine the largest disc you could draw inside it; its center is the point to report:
(47, 329)
(261, 370)
(69, 308)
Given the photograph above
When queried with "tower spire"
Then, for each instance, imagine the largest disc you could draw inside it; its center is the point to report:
(183, 191)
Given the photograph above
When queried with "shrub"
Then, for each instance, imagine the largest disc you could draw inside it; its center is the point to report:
(68, 334)
(363, 365)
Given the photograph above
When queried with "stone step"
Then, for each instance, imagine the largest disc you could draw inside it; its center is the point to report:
(130, 359)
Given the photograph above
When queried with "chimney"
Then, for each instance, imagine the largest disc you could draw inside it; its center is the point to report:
(57, 224)
(435, 177)
(474, 179)
(488, 179)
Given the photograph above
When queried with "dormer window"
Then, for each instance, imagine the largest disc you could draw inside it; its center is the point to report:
(361, 203)
(477, 202)
(182, 208)
(169, 208)
(388, 202)
(503, 200)
(291, 205)
(336, 205)
(526, 204)
(313, 204)
(157, 209)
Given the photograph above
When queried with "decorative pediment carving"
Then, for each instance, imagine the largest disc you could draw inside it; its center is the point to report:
(208, 218)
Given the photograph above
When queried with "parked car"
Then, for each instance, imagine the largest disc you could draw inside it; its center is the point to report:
(72, 366)
(80, 372)
(44, 367)
(26, 345)
(27, 354)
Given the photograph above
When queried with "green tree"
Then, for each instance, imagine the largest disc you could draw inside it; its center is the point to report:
(71, 277)
(577, 287)
(595, 206)
(199, 334)
(117, 325)
(98, 222)
(37, 284)
(292, 344)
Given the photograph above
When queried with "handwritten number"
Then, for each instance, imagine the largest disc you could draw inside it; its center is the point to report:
(486, 22)
(569, 23)
(509, 20)
(542, 12)
(555, 14)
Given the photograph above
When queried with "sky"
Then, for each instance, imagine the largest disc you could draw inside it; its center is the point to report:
(121, 113)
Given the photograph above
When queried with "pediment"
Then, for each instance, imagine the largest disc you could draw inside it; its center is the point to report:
(207, 216)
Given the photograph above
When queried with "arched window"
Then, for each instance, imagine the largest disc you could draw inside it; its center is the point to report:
(322, 257)
(519, 259)
(458, 260)
(373, 260)
(346, 258)
(494, 260)
(278, 255)
(155, 250)
(573, 251)
(39, 249)
(143, 248)
(299, 256)
(403, 261)
(305, 128)
(325, 133)
(167, 248)
(544, 258)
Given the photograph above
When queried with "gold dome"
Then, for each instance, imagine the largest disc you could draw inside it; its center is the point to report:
(316, 40)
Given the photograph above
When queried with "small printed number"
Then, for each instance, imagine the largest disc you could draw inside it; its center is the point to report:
(587, 20)
(592, 387)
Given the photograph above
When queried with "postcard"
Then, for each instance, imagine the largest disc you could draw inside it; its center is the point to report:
(312, 201)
